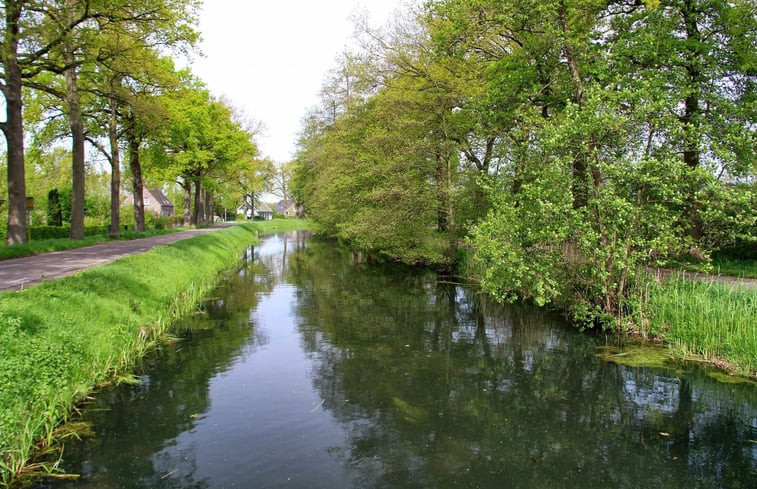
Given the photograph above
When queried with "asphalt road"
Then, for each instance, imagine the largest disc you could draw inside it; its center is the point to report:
(18, 273)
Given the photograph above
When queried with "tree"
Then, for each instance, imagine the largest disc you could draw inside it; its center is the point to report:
(57, 37)
(54, 213)
(26, 43)
(35, 34)
(202, 147)
(128, 41)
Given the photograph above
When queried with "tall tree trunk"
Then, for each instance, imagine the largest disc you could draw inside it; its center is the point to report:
(692, 111)
(115, 166)
(77, 149)
(14, 128)
(136, 180)
(187, 186)
(442, 194)
(584, 177)
(208, 207)
(197, 216)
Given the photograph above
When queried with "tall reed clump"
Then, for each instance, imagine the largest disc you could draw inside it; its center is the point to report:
(710, 320)
(60, 339)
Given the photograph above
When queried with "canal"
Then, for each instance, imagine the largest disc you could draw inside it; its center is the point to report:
(312, 370)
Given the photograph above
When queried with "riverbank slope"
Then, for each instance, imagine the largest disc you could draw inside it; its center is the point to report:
(60, 339)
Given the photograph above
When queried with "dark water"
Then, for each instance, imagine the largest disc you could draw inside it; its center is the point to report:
(313, 371)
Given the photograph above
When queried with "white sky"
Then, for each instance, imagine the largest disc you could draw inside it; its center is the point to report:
(270, 57)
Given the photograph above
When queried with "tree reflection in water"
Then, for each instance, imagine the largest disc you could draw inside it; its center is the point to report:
(442, 389)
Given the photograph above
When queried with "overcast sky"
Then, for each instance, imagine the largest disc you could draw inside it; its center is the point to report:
(269, 58)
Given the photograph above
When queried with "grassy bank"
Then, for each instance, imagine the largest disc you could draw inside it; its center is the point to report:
(714, 322)
(61, 338)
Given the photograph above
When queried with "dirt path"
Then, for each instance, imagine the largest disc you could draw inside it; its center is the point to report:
(18, 273)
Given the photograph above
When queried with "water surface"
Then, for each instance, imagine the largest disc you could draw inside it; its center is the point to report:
(310, 370)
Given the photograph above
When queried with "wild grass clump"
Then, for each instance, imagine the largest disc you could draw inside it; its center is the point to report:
(709, 320)
(61, 338)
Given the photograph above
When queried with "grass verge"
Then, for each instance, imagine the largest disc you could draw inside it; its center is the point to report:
(737, 268)
(706, 320)
(61, 338)
(721, 265)
(39, 246)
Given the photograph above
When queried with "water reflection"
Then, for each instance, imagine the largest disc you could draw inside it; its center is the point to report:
(313, 370)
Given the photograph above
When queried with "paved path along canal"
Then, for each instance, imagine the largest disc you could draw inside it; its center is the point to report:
(18, 273)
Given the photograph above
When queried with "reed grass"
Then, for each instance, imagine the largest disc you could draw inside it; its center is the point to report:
(60, 339)
(701, 319)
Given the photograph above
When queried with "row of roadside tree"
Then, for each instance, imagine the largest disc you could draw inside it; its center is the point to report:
(100, 74)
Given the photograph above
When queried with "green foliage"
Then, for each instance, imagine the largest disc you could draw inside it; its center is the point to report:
(97, 207)
(574, 144)
(369, 180)
(63, 232)
(64, 196)
(54, 212)
(729, 221)
(153, 220)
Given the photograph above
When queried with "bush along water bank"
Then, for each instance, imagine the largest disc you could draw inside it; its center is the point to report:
(691, 318)
(60, 339)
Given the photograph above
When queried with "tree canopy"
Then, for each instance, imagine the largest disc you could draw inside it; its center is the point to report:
(101, 73)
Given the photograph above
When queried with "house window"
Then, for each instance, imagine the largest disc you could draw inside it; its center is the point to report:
(147, 201)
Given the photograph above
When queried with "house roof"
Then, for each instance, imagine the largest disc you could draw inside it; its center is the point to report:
(263, 207)
(284, 205)
(159, 196)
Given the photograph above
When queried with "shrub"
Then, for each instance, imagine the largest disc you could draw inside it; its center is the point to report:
(54, 214)
(63, 232)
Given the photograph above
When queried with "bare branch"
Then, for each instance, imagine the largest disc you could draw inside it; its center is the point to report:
(100, 148)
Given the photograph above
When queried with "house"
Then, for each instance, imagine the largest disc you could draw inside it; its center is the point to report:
(287, 208)
(155, 200)
(263, 211)
(244, 210)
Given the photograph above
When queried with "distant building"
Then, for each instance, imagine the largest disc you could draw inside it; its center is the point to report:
(263, 211)
(154, 200)
(287, 208)
(245, 210)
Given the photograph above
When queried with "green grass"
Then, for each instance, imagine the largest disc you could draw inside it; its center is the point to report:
(281, 225)
(721, 266)
(712, 321)
(61, 338)
(737, 268)
(37, 247)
